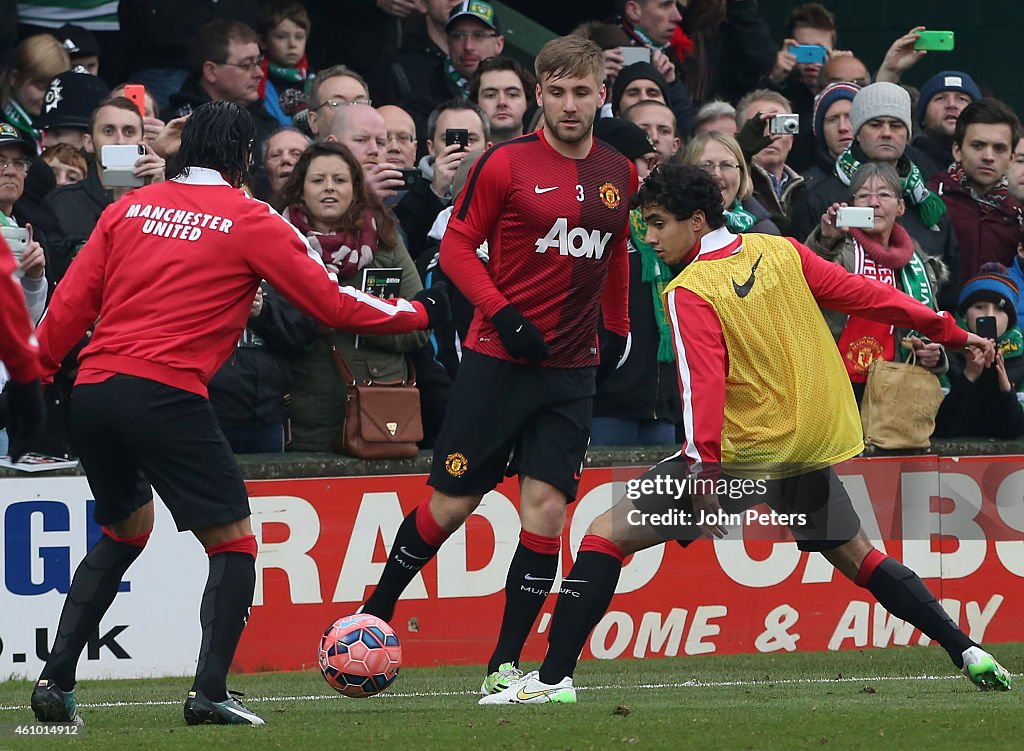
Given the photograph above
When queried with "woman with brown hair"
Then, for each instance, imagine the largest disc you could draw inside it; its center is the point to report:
(329, 204)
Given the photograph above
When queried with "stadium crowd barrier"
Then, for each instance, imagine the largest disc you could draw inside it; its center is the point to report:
(954, 513)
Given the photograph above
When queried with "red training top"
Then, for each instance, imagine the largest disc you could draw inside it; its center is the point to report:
(170, 273)
(556, 230)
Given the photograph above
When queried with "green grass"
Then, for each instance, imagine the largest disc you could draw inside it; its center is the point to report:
(869, 699)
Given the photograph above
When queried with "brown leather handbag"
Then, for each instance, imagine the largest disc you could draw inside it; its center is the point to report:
(382, 420)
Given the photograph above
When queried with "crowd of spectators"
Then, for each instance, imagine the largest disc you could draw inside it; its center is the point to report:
(364, 146)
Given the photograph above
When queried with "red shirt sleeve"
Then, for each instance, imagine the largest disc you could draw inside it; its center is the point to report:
(298, 273)
(837, 289)
(476, 212)
(702, 362)
(18, 349)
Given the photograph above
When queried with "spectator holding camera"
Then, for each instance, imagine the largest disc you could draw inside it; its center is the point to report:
(880, 118)
(432, 191)
(766, 140)
(75, 209)
(16, 154)
(887, 253)
(986, 218)
(812, 33)
(349, 227)
(983, 399)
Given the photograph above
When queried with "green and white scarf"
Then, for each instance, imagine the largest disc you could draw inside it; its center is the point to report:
(20, 119)
(928, 204)
(738, 219)
(657, 274)
(457, 78)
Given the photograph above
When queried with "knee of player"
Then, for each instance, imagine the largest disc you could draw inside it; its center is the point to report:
(603, 526)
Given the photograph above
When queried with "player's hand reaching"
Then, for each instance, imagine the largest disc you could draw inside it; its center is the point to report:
(521, 338)
(435, 300)
(706, 505)
(26, 416)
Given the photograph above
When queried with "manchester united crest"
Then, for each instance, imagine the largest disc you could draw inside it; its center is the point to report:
(861, 352)
(456, 464)
(609, 195)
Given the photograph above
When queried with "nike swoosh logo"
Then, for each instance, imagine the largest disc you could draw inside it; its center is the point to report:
(538, 190)
(742, 290)
(405, 552)
(527, 695)
(532, 578)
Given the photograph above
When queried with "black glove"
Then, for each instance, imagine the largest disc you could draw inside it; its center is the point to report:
(611, 352)
(751, 137)
(435, 300)
(26, 416)
(521, 338)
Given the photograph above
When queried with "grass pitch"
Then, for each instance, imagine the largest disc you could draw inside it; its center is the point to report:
(903, 698)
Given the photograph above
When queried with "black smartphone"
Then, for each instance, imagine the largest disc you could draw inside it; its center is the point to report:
(986, 326)
(457, 135)
(409, 177)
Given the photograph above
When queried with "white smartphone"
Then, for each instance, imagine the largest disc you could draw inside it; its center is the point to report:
(118, 161)
(632, 55)
(17, 240)
(862, 217)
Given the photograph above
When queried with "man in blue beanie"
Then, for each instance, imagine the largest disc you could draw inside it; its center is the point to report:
(943, 97)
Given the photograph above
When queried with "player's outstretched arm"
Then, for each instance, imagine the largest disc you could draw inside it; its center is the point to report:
(837, 289)
(282, 256)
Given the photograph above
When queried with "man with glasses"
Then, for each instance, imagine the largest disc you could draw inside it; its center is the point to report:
(225, 65)
(472, 35)
(401, 135)
(335, 87)
(15, 156)
(432, 191)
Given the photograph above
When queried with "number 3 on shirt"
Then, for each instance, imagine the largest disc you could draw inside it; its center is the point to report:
(579, 193)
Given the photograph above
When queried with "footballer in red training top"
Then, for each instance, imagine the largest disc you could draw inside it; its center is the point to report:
(556, 229)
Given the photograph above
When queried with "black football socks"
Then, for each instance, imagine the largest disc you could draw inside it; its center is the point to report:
(93, 589)
(582, 601)
(417, 541)
(530, 578)
(224, 612)
(900, 591)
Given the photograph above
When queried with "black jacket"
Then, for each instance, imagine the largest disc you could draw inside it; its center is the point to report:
(642, 388)
(940, 155)
(417, 82)
(981, 409)
(73, 211)
(157, 33)
(248, 391)
(734, 56)
(416, 212)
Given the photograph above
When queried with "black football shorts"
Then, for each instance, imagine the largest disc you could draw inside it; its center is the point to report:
(506, 418)
(818, 509)
(132, 433)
